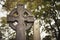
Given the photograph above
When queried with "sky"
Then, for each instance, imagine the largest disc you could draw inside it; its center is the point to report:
(3, 12)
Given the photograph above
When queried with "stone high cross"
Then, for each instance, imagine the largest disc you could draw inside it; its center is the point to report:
(24, 20)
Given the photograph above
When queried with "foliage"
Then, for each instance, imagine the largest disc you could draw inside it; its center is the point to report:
(39, 8)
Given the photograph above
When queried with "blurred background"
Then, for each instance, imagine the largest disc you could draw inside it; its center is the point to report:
(46, 11)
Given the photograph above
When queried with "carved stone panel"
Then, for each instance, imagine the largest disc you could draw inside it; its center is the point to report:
(24, 20)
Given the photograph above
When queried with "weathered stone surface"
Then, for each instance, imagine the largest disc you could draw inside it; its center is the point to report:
(24, 21)
(36, 30)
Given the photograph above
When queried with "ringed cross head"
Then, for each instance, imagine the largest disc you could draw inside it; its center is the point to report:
(23, 18)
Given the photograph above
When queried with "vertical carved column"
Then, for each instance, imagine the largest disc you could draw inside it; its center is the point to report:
(36, 30)
(20, 32)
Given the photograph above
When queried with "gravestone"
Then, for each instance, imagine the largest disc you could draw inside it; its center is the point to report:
(36, 30)
(23, 20)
